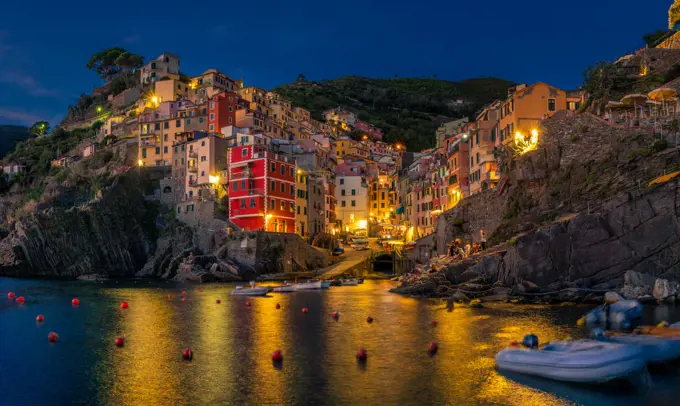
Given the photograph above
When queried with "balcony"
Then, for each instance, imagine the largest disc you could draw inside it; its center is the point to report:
(242, 175)
(193, 154)
(192, 169)
(492, 175)
(246, 211)
(256, 191)
(150, 143)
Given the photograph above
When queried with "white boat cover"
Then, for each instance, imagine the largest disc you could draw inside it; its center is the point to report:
(574, 361)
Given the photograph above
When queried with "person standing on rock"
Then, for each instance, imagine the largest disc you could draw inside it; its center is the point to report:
(483, 233)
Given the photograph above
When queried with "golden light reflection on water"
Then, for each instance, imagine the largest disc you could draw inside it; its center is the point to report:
(233, 345)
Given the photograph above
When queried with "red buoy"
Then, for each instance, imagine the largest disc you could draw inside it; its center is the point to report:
(278, 306)
(184, 293)
(53, 337)
(10, 295)
(434, 323)
(20, 300)
(369, 319)
(169, 297)
(75, 301)
(514, 344)
(277, 356)
(218, 301)
(362, 354)
(120, 341)
(184, 299)
(124, 305)
(432, 347)
(335, 315)
(40, 318)
(304, 310)
(188, 354)
(248, 304)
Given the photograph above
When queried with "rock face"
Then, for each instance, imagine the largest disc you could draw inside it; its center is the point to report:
(113, 235)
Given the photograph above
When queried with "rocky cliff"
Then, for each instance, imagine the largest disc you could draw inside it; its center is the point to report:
(114, 234)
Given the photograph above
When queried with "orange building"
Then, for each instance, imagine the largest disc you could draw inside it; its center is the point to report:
(526, 106)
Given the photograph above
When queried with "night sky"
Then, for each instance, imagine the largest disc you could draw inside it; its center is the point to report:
(44, 45)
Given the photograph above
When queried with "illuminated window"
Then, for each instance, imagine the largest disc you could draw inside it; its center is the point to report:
(551, 105)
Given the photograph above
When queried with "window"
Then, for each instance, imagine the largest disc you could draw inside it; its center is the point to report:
(382, 195)
(354, 203)
(212, 106)
(382, 205)
(212, 127)
(252, 203)
(178, 123)
(200, 120)
(283, 187)
(157, 126)
(343, 203)
(235, 188)
(477, 138)
(243, 184)
(305, 211)
(375, 205)
(188, 121)
(298, 210)
(165, 150)
(212, 116)
(166, 125)
(202, 173)
(283, 169)
(243, 203)
(273, 166)
(551, 105)
(342, 192)
(203, 158)
(272, 204)
(292, 190)
(158, 150)
(292, 172)
(244, 152)
(283, 205)
(354, 192)
(144, 153)
(230, 119)
(292, 207)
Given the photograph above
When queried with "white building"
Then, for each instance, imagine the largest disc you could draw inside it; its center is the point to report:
(165, 64)
(351, 196)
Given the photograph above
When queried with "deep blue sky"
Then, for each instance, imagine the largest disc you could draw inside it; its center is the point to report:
(45, 44)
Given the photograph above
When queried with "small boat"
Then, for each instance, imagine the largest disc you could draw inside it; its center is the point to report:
(360, 281)
(657, 349)
(574, 361)
(325, 284)
(252, 291)
(284, 288)
(309, 285)
(349, 282)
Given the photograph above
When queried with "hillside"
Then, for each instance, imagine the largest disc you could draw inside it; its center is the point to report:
(407, 109)
(10, 135)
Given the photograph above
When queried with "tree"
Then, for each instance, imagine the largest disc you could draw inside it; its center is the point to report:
(674, 14)
(39, 128)
(599, 81)
(653, 37)
(103, 63)
(127, 62)
(301, 77)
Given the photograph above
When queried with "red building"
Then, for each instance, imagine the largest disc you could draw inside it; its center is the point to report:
(261, 189)
(373, 132)
(222, 111)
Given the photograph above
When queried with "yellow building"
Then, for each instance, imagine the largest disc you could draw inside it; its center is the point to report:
(301, 223)
(383, 200)
(170, 90)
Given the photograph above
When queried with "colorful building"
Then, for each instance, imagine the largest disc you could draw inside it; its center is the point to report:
(483, 167)
(262, 189)
(301, 197)
(351, 194)
(222, 111)
(165, 64)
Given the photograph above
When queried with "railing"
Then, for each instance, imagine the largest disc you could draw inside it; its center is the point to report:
(193, 154)
(242, 175)
(256, 191)
(244, 211)
(193, 169)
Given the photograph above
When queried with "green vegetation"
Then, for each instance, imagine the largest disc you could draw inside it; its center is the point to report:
(658, 146)
(674, 14)
(654, 38)
(513, 241)
(407, 110)
(110, 63)
(39, 128)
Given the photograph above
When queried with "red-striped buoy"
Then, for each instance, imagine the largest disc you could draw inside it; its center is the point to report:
(124, 305)
(53, 337)
(10, 295)
(120, 341)
(20, 300)
(248, 304)
(434, 323)
(40, 318)
(304, 310)
(278, 306)
(369, 319)
(75, 301)
(432, 347)
(218, 301)
(277, 356)
(362, 355)
(188, 354)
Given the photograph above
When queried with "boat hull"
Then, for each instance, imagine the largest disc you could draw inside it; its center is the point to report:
(575, 363)
(308, 286)
(284, 289)
(250, 292)
(657, 349)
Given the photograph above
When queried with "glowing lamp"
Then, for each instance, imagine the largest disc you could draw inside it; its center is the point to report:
(154, 100)
(362, 223)
(99, 109)
(140, 162)
(213, 179)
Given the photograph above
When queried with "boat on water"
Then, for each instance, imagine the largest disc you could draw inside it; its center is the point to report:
(349, 282)
(309, 285)
(657, 349)
(287, 287)
(583, 361)
(252, 291)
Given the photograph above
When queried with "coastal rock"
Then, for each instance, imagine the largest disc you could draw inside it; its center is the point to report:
(612, 297)
(665, 290)
(459, 296)
(527, 287)
(637, 284)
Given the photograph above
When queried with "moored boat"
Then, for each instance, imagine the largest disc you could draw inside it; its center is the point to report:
(325, 284)
(575, 361)
(284, 288)
(656, 348)
(241, 291)
(309, 285)
(349, 282)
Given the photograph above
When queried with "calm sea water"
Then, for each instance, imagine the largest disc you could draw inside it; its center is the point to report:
(233, 343)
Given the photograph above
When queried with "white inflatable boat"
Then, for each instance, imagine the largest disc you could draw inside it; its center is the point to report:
(574, 361)
(656, 349)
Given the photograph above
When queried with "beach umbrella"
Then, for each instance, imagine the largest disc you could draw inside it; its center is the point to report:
(664, 95)
(634, 100)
